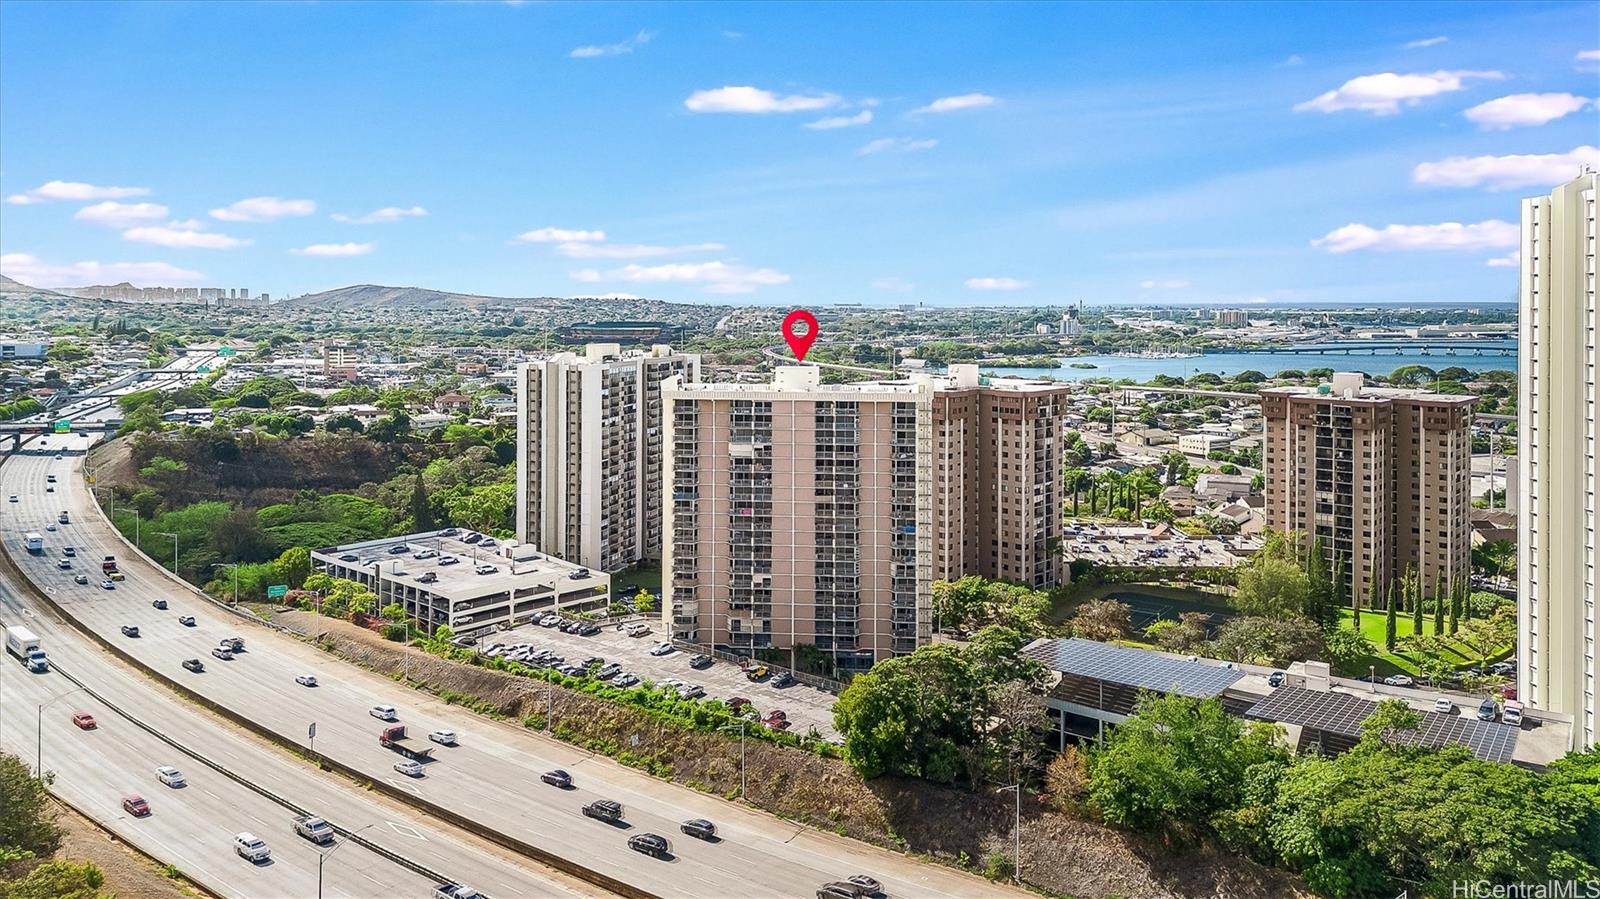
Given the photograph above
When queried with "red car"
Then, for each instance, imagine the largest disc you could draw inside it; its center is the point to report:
(84, 720)
(135, 806)
(777, 720)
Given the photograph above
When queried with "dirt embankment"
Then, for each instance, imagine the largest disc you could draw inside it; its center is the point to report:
(1062, 854)
(129, 875)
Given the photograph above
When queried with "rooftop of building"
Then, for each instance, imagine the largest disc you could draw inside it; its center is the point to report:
(515, 565)
(806, 379)
(600, 353)
(1347, 387)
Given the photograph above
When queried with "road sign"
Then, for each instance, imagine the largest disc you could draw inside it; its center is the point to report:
(312, 731)
(227, 351)
(277, 591)
(64, 426)
(204, 369)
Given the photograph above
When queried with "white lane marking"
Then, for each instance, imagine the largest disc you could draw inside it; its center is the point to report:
(404, 786)
(406, 830)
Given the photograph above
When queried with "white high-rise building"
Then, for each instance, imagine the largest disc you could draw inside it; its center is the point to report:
(1557, 471)
(589, 452)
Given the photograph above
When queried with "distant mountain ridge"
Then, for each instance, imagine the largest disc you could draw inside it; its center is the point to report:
(374, 296)
(13, 286)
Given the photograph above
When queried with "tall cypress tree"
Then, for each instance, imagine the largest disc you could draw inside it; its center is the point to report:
(1440, 592)
(1455, 608)
(1389, 623)
(1416, 604)
(1339, 598)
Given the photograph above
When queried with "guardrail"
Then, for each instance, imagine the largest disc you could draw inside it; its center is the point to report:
(595, 878)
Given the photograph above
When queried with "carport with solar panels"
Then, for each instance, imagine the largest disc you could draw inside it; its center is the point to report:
(1099, 684)
(1330, 722)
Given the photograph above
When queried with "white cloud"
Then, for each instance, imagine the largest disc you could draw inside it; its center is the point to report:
(263, 209)
(843, 121)
(120, 215)
(1426, 42)
(335, 249)
(1385, 93)
(896, 145)
(996, 284)
(1493, 234)
(951, 104)
(181, 238)
(578, 250)
(718, 276)
(1506, 172)
(610, 296)
(1588, 56)
(592, 51)
(755, 100)
(1170, 284)
(733, 35)
(380, 216)
(1519, 110)
(74, 190)
(898, 285)
(1509, 260)
(1294, 60)
(187, 224)
(557, 235)
(35, 272)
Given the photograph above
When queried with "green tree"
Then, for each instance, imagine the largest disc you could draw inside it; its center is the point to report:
(1416, 602)
(910, 715)
(1267, 641)
(1102, 619)
(293, 566)
(644, 601)
(1439, 598)
(27, 826)
(1391, 622)
(58, 880)
(421, 510)
(1177, 762)
(1271, 588)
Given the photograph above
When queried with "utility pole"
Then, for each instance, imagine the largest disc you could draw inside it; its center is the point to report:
(174, 548)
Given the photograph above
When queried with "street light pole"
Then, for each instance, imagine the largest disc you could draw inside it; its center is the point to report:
(1016, 832)
(174, 548)
(38, 731)
(323, 856)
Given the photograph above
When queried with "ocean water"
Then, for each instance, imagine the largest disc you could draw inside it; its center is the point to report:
(1385, 361)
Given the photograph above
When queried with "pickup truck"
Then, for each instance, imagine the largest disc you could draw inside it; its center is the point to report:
(109, 566)
(394, 737)
(455, 891)
(314, 829)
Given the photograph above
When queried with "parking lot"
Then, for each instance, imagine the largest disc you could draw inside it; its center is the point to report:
(1135, 545)
(806, 707)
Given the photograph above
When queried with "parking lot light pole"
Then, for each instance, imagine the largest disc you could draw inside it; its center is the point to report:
(742, 756)
(323, 856)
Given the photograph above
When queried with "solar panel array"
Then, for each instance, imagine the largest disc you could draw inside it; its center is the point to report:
(1132, 667)
(1343, 713)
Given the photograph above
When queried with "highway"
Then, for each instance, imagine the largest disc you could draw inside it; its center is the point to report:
(491, 777)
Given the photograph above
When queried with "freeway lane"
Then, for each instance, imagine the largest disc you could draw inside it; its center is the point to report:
(491, 777)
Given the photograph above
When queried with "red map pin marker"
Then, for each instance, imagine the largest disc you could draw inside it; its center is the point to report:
(800, 343)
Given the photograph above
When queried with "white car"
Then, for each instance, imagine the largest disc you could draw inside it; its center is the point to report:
(409, 768)
(250, 846)
(1398, 680)
(1443, 706)
(383, 713)
(306, 680)
(170, 776)
(663, 649)
(443, 737)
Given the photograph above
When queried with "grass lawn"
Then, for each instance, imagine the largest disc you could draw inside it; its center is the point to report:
(1373, 625)
(626, 584)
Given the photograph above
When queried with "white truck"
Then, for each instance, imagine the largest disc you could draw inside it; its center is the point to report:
(24, 644)
(34, 542)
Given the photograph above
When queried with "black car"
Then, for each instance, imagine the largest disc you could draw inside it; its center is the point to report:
(1275, 679)
(399, 548)
(699, 828)
(783, 679)
(472, 538)
(838, 890)
(870, 885)
(700, 661)
(194, 665)
(557, 778)
(650, 844)
(604, 809)
(349, 557)
(587, 629)
(159, 604)
(130, 630)
(235, 644)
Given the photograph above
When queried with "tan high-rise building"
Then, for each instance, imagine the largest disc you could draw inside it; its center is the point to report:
(590, 453)
(1556, 452)
(1381, 475)
(998, 499)
(801, 514)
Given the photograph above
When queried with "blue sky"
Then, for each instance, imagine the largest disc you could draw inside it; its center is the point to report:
(792, 153)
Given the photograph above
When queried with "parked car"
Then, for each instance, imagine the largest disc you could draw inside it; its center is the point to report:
(759, 672)
(306, 680)
(170, 776)
(699, 828)
(691, 691)
(186, 620)
(784, 679)
(625, 679)
(194, 665)
(662, 649)
(700, 661)
(130, 630)
(1444, 706)
(383, 713)
(557, 778)
(409, 767)
(776, 720)
(608, 671)
(135, 805)
(650, 844)
(448, 560)
(249, 846)
(737, 704)
(84, 721)
(1511, 714)
(1487, 710)
(443, 737)
(586, 629)
(1399, 680)
(1275, 679)
(159, 604)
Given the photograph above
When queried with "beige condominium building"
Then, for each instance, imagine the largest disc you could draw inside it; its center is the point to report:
(998, 499)
(801, 514)
(590, 452)
(1381, 475)
(1556, 468)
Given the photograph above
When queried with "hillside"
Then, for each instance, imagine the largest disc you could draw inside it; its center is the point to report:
(374, 296)
(16, 289)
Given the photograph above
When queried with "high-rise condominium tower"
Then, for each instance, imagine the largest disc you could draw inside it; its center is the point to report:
(800, 515)
(1381, 475)
(590, 452)
(1556, 452)
(998, 498)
